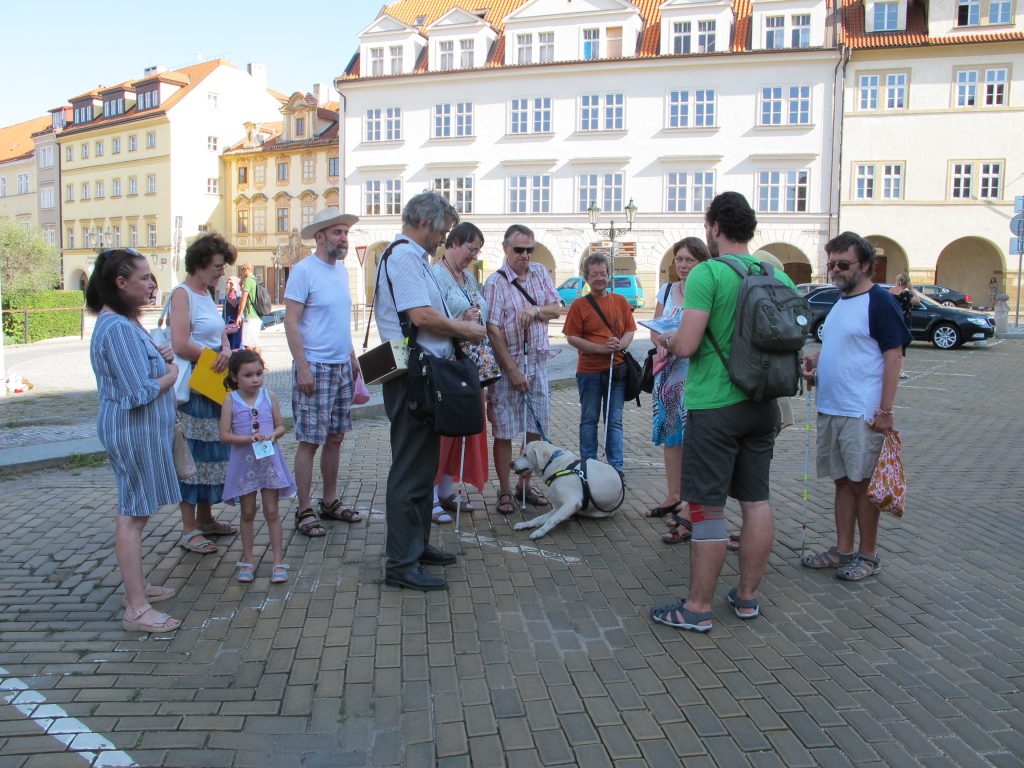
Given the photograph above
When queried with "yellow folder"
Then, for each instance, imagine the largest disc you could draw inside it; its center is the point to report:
(207, 381)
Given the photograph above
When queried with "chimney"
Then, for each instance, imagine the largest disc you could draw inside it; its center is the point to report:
(258, 72)
(155, 69)
(322, 93)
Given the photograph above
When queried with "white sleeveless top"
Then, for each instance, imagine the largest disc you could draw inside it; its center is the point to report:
(205, 321)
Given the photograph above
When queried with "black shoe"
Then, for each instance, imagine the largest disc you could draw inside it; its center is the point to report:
(434, 556)
(414, 578)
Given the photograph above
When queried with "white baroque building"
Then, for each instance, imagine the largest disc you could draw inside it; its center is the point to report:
(529, 112)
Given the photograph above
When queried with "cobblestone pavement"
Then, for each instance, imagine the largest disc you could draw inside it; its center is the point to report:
(542, 652)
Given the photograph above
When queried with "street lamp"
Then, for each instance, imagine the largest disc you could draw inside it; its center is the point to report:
(594, 214)
(98, 240)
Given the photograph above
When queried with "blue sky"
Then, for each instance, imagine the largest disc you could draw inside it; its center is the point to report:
(66, 47)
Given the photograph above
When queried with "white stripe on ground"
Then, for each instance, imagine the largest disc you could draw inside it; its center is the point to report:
(95, 749)
(526, 549)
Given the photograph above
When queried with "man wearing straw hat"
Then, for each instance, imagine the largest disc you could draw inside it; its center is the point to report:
(317, 323)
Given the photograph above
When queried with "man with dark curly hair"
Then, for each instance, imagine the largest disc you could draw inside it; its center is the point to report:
(729, 438)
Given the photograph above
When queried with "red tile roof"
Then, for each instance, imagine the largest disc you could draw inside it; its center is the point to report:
(16, 140)
(852, 31)
(190, 77)
(407, 11)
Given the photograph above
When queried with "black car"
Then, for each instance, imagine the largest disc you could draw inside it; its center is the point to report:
(945, 327)
(947, 297)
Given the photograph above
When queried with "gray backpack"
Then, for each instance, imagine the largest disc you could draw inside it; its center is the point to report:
(771, 326)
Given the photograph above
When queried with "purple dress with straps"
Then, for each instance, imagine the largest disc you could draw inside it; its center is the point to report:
(246, 473)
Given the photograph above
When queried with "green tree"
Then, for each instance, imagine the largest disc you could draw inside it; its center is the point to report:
(27, 261)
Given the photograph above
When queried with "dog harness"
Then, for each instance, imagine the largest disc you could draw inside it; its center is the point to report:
(578, 468)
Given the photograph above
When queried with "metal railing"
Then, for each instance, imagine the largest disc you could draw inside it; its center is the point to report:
(26, 314)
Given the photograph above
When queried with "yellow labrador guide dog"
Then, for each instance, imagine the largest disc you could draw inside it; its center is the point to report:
(591, 489)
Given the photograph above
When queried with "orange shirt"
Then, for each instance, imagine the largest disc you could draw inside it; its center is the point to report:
(583, 322)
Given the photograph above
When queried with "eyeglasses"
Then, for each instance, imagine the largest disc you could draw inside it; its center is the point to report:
(219, 267)
(523, 248)
(841, 265)
(472, 251)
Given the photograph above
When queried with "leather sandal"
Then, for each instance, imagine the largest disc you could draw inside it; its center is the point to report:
(738, 602)
(507, 503)
(450, 504)
(679, 616)
(307, 524)
(334, 511)
(216, 528)
(533, 497)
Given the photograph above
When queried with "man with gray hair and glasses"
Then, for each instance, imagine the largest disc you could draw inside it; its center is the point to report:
(407, 295)
(521, 301)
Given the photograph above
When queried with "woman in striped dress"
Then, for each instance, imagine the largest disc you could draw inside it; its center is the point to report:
(197, 325)
(135, 422)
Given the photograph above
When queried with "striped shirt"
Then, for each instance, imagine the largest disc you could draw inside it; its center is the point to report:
(505, 302)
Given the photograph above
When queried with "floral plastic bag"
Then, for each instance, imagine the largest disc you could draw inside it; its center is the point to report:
(888, 487)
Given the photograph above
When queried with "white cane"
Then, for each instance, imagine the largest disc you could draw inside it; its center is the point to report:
(807, 464)
(462, 490)
(608, 402)
(526, 429)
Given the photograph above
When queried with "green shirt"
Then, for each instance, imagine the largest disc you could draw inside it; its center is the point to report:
(714, 287)
(249, 284)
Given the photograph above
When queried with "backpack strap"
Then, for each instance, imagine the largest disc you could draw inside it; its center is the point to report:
(743, 271)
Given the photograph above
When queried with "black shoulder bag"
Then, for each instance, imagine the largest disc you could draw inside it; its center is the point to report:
(632, 367)
(446, 392)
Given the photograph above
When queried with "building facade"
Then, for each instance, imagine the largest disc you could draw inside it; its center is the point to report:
(19, 172)
(532, 112)
(48, 171)
(140, 162)
(276, 179)
(932, 152)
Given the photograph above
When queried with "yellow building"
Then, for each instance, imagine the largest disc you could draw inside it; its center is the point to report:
(19, 191)
(140, 162)
(276, 179)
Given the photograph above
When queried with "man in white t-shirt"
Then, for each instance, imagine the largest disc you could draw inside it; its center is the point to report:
(317, 323)
(858, 370)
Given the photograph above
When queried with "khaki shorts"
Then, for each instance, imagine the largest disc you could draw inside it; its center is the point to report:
(847, 447)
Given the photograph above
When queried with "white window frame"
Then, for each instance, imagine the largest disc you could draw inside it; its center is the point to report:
(457, 190)
(467, 53)
(784, 105)
(446, 55)
(864, 181)
(115, 145)
(706, 33)
(23, 186)
(115, 190)
(591, 44)
(100, 191)
(151, 239)
(382, 197)
(397, 56)
(682, 37)
(545, 47)
(308, 169)
(886, 15)
(212, 185)
(787, 185)
(800, 30)
(151, 184)
(47, 198)
(98, 152)
(211, 143)
(151, 140)
(606, 188)
(133, 143)
(376, 61)
(893, 180)
(774, 32)
(133, 185)
(133, 235)
(529, 193)
(990, 180)
(689, 191)
(84, 194)
(602, 112)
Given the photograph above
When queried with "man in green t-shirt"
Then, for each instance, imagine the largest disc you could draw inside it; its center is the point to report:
(728, 439)
(248, 317)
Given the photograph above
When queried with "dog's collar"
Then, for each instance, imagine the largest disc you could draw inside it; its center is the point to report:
(558, 452)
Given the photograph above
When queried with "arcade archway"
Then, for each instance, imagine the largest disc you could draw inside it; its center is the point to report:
(968, 264)
(373, 253)
(794, 262)
(890, 259)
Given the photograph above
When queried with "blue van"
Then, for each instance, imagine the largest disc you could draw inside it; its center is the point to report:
(627, 285)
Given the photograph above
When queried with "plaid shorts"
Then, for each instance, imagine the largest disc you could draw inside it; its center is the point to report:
(505, 406)
(328, 411)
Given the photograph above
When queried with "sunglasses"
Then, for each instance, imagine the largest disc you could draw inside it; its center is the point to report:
(255, 413)
(523, 248)
(130, 251)
(841, 266)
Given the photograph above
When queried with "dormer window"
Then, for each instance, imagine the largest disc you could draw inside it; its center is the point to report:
(886, 16)
(801, 31)
(775, 32)
(446, 54)
(113, 106)
(681, 32)
(591, 44)
(466, 53)
(396, 59)
(546, 43)
(524, 48)
(83, 115)
(706, 36)
(376, 62)
(420, 21)
(148, 100)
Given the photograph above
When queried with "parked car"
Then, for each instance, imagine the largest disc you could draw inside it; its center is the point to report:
(945, 327)
(805, 288)
(626, 285)
(274, 318)
(947, 297)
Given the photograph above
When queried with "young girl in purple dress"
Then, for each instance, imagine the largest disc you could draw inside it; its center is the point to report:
(251, 424)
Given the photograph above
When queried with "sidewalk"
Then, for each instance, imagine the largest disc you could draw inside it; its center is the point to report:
(542, 652)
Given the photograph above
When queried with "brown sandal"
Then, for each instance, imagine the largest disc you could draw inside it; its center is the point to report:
(311, 527)
(679, 534)
(507, 504)
(332, 512)
(533, 497)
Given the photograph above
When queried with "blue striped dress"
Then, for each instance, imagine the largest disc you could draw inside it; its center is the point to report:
(135, 422)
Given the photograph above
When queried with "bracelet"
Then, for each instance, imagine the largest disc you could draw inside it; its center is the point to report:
(881, 412)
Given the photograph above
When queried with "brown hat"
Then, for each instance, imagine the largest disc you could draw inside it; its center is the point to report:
(328, 217)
